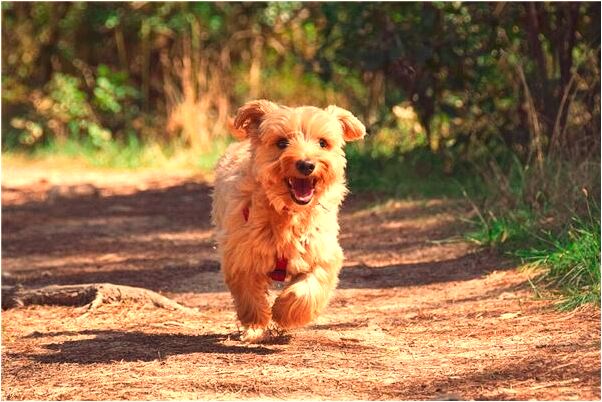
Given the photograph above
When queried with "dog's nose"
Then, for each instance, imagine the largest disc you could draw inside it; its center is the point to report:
(306, 167)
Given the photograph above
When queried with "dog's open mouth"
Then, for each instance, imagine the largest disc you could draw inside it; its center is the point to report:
(302, 190)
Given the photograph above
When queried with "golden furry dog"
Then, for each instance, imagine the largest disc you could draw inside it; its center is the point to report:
(275, 206)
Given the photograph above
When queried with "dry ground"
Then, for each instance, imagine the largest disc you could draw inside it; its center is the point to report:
(413, 318)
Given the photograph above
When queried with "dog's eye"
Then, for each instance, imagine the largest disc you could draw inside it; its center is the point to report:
(323, 143)
(282, 143)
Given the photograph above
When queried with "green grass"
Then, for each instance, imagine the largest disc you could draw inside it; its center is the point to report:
(566, 256)
(414, 174)
(509, 230)
(547, 216)
(571, 262)
(569, 259)
(128, 154)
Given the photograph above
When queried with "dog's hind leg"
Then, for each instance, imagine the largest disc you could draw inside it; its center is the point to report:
(304, 298)
(250, 293)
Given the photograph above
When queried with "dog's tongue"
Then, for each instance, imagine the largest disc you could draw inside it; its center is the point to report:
(303, 188)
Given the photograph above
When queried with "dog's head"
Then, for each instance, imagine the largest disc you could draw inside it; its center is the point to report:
(298, 152)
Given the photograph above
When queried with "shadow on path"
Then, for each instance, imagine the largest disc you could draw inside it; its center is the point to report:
(152, 234)
(108, 346)
(463, 268)
(75, 225)
(494, 380)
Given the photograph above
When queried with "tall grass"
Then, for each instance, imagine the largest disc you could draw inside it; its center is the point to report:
(549, 218)
(570, 262)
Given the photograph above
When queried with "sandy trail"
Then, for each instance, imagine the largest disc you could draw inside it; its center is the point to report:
(415, 316)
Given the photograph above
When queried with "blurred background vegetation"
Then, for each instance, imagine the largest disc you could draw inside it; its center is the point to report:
(496, 102)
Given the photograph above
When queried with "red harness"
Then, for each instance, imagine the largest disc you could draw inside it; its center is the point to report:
(278, 274)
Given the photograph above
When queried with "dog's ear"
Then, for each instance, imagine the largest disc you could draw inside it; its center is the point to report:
(237, 133)
(353, 129)
(249, 117)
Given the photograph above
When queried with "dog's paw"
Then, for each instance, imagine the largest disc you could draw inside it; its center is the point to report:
(253, 335)
(275, 331)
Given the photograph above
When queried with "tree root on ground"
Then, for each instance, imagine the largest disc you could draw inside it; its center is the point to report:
(89, 295)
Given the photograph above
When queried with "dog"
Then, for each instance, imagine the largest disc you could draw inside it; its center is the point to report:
(275, 207)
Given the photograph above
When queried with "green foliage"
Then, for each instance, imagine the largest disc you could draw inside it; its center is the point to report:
(461, 66)
(548, 217)
(572, 261)
(69, 100)
(112, 90)
(472, 74)
(64, 109)
(413, 174)
(512, 229)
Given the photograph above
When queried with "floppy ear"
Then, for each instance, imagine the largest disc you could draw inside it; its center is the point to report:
(237, 133)
(353, 129)
(250, 115)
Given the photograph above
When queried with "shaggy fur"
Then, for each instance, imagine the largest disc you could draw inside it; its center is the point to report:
(261, 176)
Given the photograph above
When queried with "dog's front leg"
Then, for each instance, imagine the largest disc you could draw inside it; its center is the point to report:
(249, 291)
(304, 298)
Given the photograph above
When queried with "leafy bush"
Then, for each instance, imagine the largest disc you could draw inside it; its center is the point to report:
(473, 73)
(112, 90)
(63, 110)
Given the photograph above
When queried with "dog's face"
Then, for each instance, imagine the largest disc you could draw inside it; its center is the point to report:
(298, 152)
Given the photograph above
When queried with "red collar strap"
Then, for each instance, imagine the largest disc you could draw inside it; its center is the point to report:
(278, 274)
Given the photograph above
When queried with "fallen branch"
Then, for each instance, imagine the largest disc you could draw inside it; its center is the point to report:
(90, 296)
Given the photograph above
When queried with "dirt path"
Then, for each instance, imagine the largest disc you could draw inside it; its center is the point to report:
(413, 318)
